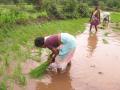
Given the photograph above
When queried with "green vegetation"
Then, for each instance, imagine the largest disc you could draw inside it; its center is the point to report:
(105, 4)
(22, 21)
(18, 76)
(17, 42)
(3, 85)
(18, 14)
(66, 9)
(115, 17)
(37, 72)
(2, 69)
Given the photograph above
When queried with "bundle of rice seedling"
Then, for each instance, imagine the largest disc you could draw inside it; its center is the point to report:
(40, 70)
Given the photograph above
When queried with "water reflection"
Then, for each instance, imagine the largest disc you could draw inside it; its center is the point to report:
(59, 81)
(92, 43)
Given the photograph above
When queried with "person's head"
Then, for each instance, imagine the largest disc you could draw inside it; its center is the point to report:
(96, 7)
(39, 42)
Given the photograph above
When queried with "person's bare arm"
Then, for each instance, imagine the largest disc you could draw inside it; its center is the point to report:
(53, 55)
(91, 16)
(99, 15)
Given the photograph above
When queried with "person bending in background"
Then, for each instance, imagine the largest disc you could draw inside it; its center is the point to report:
(106, 18)
(62, 45)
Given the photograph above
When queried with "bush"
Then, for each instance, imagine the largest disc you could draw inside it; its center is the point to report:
(84, 10)
(66, 9)
(70, 9)
(52, 9)
(18, 14)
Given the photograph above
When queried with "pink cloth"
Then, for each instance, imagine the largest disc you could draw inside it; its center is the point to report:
(95, 21)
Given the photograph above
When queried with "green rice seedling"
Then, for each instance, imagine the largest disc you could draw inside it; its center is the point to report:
(6, 60)
(40, 70)
(18, 76)
(2, 70)
(3, 85)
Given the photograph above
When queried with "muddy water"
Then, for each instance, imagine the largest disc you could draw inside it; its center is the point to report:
(95, 65)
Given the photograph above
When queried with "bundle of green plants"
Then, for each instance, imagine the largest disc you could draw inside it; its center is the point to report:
(40, 70)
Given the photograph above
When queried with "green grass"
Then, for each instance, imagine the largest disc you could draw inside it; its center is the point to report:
(115, 17)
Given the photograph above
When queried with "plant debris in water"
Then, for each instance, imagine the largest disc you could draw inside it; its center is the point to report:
(105, 41)
(106, 34)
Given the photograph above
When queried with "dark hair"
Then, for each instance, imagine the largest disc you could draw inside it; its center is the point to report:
(39, 41)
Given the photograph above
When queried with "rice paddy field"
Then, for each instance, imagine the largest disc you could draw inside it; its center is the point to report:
(17, 38)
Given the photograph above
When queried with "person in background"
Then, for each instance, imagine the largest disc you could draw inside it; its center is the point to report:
(106, 18)
(62, 45)
(95, 18)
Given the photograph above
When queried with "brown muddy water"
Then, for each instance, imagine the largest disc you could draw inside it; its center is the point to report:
(95, 65)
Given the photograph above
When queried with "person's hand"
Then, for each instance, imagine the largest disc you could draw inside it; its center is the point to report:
(51, 58)
(56, 51)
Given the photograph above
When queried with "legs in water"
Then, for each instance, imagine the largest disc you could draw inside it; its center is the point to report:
(90, 28)
(96, 28)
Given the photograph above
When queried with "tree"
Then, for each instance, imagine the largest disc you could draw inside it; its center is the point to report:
(38, 4)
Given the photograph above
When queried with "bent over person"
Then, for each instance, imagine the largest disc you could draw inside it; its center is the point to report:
(62, 45)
